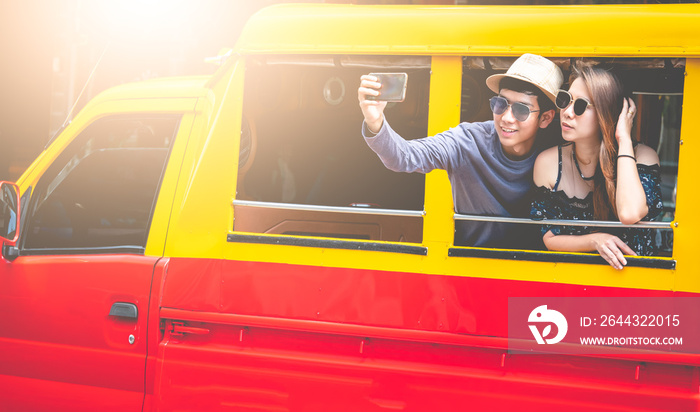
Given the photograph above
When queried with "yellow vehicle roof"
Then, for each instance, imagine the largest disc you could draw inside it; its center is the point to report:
(164, 87)
(654, 30)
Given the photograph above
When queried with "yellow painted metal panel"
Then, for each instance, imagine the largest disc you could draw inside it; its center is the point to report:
(161, 215)
(567, 273)
(202, 212)
(445, 99)
(165, 88)
(685, 248)
(584, 30)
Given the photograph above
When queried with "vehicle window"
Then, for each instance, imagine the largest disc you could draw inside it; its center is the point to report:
(304, 168)
(657, 88)
(101, 191)
(662, 130)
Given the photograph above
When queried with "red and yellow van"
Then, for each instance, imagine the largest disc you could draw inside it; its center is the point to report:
(229, 242)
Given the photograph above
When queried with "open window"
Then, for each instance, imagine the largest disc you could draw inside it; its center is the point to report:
(304, 168)
(657, 88)
(659, 127)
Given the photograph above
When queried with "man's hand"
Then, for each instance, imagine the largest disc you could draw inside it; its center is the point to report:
(372, 110)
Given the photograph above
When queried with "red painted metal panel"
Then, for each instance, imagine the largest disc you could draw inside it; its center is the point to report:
(58, 344)
(286, 337)
(457, 304)
(264, 369)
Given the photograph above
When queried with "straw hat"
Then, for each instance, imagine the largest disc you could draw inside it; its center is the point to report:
(534, 69)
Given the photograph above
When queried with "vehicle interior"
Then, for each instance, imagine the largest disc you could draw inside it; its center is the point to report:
(302, 144)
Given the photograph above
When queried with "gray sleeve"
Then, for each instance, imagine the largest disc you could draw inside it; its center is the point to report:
(420, 155)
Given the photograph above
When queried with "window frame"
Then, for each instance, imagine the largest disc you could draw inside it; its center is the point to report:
(68, 151)
(661, 262)
(348, 63)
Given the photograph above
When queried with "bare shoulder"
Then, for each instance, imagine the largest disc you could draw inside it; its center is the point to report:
(646, 155)
(546, 168)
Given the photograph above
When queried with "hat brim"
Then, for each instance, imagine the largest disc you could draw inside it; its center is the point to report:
(493, 81)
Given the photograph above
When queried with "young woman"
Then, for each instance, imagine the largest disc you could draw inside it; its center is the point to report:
(600, 173)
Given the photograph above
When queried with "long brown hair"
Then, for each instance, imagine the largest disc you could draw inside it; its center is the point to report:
(607, 94)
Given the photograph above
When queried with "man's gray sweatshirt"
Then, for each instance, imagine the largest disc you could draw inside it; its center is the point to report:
(484, 181)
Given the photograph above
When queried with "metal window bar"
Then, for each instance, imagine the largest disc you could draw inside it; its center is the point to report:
(334, 209)
(563, 222)
(421, 213)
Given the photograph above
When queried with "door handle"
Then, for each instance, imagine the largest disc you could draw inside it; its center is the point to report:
(124, 310)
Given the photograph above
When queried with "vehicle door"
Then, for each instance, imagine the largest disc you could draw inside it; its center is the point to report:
(74, 300)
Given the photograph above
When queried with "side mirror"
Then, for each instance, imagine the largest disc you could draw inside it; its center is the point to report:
(9, 213)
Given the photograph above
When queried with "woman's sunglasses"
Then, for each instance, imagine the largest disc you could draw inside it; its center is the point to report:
(564, 99)
(521, 112)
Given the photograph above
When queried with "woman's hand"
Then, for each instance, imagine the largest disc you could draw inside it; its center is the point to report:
(623, 132)
(612, 249)
(372, 110)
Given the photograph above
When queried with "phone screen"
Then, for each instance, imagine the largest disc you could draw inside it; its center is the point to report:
(393, 87)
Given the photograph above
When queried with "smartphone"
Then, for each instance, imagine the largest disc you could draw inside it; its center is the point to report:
(393, 87)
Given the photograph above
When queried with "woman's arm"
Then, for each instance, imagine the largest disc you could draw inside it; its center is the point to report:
(610, 247)
(630, 199)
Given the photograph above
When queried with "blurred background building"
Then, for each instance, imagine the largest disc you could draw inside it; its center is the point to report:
(50, 48)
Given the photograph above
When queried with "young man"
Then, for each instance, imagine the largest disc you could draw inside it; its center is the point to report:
(490, 163)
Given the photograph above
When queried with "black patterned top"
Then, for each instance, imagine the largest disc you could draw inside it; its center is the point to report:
(554, 204)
